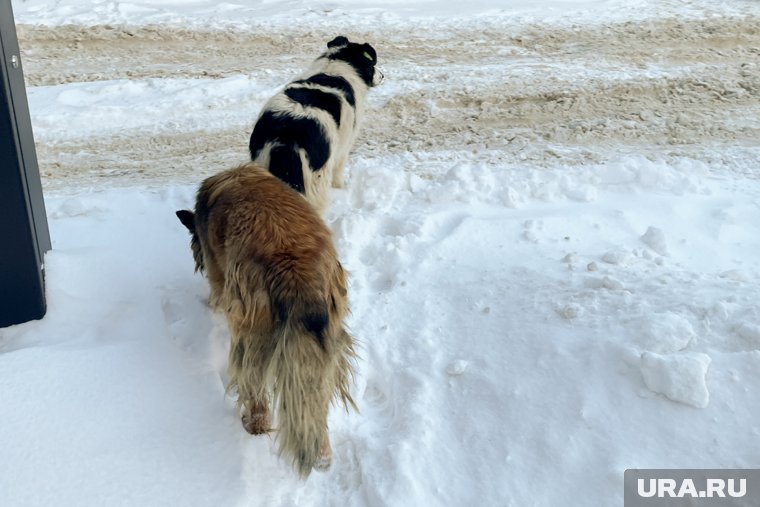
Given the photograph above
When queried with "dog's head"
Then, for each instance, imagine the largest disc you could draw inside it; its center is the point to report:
(187, 218)
(361, 57)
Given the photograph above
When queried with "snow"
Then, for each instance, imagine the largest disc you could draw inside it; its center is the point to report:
(680, 377)
(209, 13)
(83, 107)
(667, 332)
(532, 320)
(363, 14)
(655, 239)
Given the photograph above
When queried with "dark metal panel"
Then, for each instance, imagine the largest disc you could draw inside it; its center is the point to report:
(24, 236)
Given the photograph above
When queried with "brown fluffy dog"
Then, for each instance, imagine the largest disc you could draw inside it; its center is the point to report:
(274, 272)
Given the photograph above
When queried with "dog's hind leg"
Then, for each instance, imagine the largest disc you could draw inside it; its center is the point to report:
(324, 460)
(337, 173)
(256, 417)
(252, 402)
(246, 376)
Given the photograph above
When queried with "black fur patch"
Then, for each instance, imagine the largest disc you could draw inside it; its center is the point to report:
(281, 309)
(285, 163)
(314, 318)
(336, 82)
(356, 56)
(316, 323)
(309, 97)
(293, 133)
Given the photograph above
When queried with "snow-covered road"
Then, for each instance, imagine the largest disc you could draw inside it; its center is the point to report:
(537, 95)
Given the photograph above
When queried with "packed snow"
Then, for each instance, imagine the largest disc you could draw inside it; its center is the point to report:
(538, 306)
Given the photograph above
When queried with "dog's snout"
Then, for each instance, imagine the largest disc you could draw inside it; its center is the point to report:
(378, 78)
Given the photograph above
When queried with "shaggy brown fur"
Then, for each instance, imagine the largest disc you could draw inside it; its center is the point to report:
(274, 272)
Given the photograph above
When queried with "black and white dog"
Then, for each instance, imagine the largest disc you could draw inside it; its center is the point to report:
(304, 133)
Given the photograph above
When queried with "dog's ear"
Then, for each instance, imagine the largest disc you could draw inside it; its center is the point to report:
(337, 42)
(187, 218)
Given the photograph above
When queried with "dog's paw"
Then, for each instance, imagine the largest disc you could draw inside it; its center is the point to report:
(256, 424)
(322, 463)
(324, 460)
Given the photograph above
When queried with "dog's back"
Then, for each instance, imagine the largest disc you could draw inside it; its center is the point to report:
(304, 132)
(246, 217)
(274, 271)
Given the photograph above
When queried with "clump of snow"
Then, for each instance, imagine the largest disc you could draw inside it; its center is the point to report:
(457, 368)
(571, 311)
(750, 332)
(620, 256)
(666, 332)
(605, 282)
(654, 238)
(680, 377)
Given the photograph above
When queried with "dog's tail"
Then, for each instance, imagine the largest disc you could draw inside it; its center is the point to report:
(301, 361)
(309, 367)
(301, 371)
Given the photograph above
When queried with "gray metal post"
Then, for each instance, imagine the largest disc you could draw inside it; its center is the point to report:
(24, 236)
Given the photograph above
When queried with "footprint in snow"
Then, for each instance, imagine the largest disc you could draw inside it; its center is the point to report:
(195, 329)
